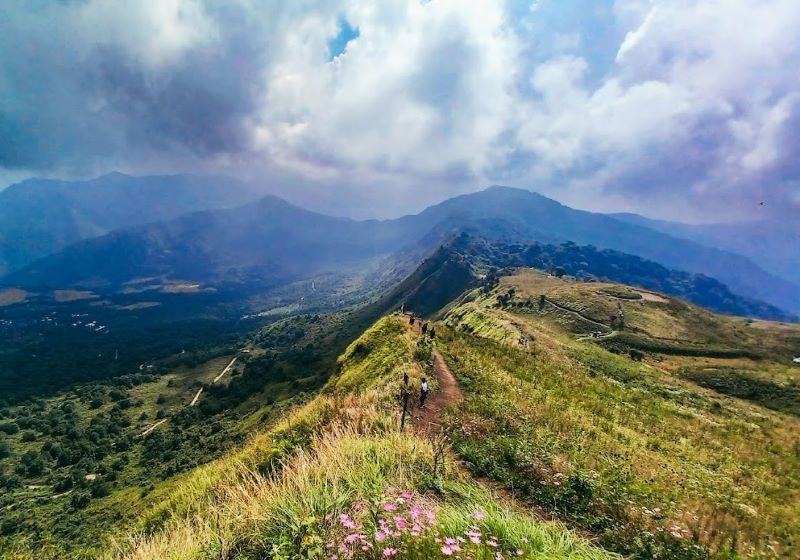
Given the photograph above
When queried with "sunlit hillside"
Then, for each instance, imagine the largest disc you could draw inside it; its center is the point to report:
(672, 425)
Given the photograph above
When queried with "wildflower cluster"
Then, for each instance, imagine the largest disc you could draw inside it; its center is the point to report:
(403, 527)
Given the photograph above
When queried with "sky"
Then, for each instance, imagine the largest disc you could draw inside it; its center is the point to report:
(677, 109)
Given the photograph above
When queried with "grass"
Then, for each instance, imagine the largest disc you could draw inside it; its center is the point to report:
(282, 495)
(631, 451)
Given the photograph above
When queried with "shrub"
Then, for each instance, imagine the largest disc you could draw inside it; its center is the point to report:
(9, 428)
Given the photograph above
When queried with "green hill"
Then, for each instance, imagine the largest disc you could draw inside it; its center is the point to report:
(675, 431)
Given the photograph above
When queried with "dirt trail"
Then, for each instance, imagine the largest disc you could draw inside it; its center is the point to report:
(196, 397)
(576, 312)
(153, 427)
(428, 419)
(224, 371)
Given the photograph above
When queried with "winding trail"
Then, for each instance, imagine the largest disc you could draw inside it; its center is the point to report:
(428, 419)
(196, 397)
(576, 312)
(224, 371)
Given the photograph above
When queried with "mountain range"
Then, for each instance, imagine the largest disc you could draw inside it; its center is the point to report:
(773, 244)
(39, 217)
(269, 241)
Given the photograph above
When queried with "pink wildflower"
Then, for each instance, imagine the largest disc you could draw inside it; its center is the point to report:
(406, 495)
(447, 551)
(389, 551)
(388, 506)
(480, 515)
(380, 536)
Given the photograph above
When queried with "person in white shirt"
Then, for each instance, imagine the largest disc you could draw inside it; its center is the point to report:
(423, 392)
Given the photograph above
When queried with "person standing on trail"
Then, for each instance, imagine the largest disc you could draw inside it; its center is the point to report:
(411, 320)
(433, 333)
(424, 328)
(423, 392)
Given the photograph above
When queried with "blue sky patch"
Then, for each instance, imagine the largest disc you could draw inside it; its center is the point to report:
(338, 44)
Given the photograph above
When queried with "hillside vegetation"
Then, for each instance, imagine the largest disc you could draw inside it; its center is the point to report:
(337, 476)
(672, 434)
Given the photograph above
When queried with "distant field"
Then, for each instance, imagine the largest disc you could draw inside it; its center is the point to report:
(12, 296)
(63, 296)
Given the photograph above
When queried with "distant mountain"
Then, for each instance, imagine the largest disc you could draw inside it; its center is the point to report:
(262, 244)
(455, 266)
(516, 215)
(272, 241)
(39, 217)
(772, 244)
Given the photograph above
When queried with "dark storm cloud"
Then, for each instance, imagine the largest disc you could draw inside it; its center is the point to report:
(657, 102)
(68, 100)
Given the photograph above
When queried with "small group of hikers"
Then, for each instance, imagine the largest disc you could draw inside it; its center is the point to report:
(424, 390)
(424, 328)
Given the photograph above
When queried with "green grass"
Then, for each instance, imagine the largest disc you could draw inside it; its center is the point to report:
(625, 449)
(280, 495)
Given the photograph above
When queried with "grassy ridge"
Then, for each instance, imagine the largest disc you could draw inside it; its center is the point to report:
(656, 466)
(281, 496)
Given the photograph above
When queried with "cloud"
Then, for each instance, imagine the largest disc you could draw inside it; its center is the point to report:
(646, 103)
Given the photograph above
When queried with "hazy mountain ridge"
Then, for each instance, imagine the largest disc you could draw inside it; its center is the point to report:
(39, 217)
(774, 245)
(264, 242)
(275, 241)
(441, 277)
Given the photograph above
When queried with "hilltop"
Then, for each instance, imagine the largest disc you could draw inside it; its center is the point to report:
(39, 217)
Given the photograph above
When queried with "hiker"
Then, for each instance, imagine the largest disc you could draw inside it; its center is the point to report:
(423, 392)
(411, 320)
(433, 333)
(405, 379)
(424, 328)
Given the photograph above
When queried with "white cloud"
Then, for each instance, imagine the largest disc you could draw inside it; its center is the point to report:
(423, 88)
(699, 101)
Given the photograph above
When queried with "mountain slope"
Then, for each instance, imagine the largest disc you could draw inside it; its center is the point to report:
(671, 436)
(336, 469)
(39, 217)
(457, 265)
(772, 244)
(516, 215)
(261, 244)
